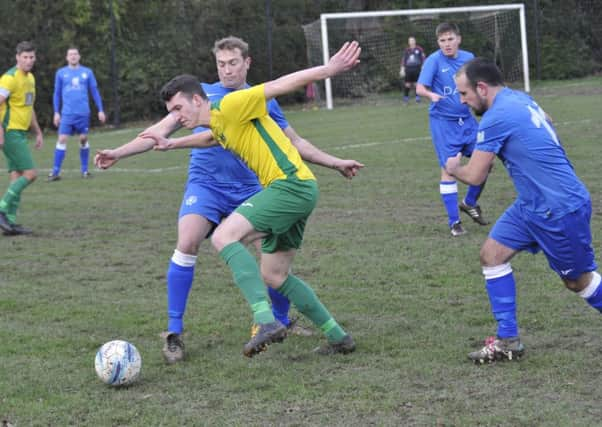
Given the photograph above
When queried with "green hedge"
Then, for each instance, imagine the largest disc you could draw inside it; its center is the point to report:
(156, 39)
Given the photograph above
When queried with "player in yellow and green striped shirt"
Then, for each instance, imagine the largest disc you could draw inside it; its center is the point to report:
(17, 95)
(278, 214)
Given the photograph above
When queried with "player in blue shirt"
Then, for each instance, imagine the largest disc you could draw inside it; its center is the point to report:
(552, 210)
(72, 84)
(218, 182)
(453, 129)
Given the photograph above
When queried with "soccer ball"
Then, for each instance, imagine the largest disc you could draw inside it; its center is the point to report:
(118, 363)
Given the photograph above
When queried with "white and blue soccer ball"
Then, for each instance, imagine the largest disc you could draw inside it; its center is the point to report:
(118, 363)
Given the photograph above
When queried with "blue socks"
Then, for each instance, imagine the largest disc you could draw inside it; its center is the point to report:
(84, 156)
(449, 196)
(472, 194)
(501, 289)
(59, 156)
(593, 292)
(180, 275)
(280, 306)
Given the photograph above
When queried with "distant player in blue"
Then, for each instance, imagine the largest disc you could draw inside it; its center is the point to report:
(218, 182)
(552, 210)
(72, 84)
(453, 129)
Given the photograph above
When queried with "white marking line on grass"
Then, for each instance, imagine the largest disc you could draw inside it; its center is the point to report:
(423, 138)
(339, 147)
(121, 131)
(573, 122)
(120, 170)
(371, 144)
(155, 170)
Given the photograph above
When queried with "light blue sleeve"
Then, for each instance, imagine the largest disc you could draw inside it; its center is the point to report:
(427, 74)
(93, 86)
(58, 92)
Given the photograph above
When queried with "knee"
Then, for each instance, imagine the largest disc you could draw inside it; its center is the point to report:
(216, 241)
(572, 285)
(485, 258)
(31, 175)
(274, 279)
(220, 239)
(188, 246)
(580, 283)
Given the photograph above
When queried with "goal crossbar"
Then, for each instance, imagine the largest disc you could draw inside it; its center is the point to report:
(324, 17)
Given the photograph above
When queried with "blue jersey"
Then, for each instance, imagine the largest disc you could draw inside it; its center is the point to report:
(516, 129)
(438, 74)
(217, 165)
(71, 87)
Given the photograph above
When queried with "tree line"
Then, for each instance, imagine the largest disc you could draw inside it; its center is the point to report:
(134, 46)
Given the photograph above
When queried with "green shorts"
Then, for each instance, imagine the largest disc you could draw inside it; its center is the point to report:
(281, 210)
(16, 151)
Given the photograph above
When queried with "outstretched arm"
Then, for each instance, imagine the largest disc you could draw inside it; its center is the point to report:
(312, 154)
(104, 159)
(195, 140)
(345, 59)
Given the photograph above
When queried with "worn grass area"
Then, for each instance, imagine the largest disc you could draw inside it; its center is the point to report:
(378, 253)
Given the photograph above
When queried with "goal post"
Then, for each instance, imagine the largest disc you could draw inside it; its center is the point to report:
(494, 30)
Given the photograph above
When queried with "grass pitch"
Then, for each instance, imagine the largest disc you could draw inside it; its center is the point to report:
(378, 253)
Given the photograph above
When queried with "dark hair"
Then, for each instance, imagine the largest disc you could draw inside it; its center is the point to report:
(231, 43)
(447, 27)
(25, 47)
(482, 70)
(187, 84)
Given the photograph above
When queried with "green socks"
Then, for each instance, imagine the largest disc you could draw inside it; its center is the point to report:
(247, 277)
(10, 201)
(307, 302)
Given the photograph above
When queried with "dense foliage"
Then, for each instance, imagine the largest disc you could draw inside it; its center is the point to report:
(156, 39)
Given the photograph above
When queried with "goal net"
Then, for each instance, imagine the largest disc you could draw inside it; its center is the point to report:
(496, 31)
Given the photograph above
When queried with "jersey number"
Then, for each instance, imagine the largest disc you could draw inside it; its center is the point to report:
(538, 118)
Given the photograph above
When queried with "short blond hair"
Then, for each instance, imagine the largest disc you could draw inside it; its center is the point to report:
(231, 43)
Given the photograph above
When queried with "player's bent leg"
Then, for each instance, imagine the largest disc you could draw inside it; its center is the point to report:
(246, 274)
(307, 302)
(235, 228)
(275, 268)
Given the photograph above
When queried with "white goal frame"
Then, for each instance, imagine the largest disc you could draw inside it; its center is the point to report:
(324, 17)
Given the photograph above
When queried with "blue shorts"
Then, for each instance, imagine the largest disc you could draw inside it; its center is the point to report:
(451, 137)
(565, 241)
(71, 125)
(215, 202)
